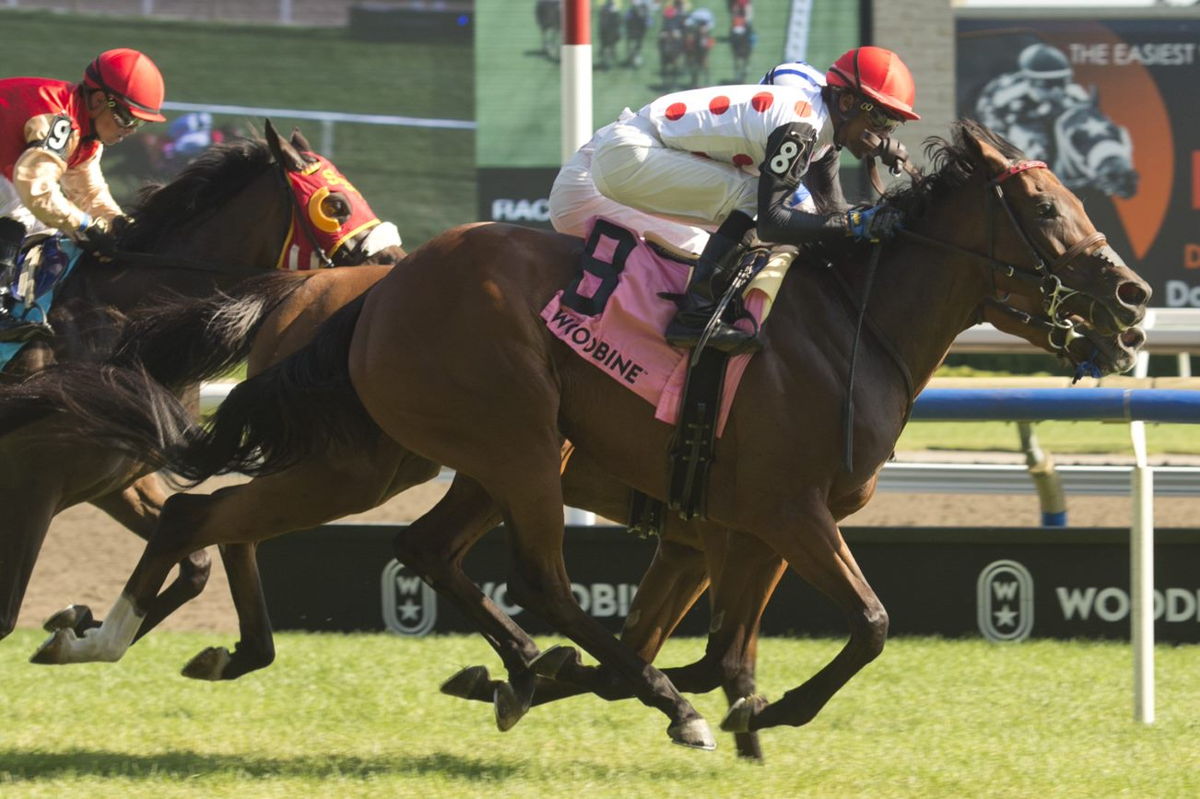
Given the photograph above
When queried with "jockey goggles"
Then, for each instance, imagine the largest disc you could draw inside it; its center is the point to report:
(122, 115)
(878, 120)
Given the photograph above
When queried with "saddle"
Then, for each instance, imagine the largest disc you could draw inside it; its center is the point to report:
(694, 444)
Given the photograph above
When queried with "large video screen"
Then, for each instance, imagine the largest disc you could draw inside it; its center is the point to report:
(1110, 106)
(641, 50)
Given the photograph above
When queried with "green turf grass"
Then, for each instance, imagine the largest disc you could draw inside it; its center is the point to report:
(359, 716)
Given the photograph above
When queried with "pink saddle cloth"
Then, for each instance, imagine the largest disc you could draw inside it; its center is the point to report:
(614, 318)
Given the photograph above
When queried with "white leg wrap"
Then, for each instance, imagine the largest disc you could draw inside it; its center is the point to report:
(110, 640)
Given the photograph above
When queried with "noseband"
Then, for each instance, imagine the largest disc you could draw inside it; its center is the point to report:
(1040, 273)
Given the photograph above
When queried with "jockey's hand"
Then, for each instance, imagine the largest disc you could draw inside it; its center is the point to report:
(119, 224)
(893, 154)
(95, 236)
(873, 223)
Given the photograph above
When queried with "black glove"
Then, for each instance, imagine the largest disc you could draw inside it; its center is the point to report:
(96, 238)
(893, 154)
(873, 223)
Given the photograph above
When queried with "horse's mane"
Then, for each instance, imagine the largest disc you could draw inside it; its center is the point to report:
(204, 185)
(952, 163)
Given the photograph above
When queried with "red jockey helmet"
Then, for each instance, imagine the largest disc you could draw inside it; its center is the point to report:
(879, 75)
(131, 78)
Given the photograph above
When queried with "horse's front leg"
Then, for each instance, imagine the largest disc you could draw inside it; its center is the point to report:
(818, 553)
(26, 519)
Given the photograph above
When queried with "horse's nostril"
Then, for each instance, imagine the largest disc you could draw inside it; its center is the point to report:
(1133, 338)
(1133, 293)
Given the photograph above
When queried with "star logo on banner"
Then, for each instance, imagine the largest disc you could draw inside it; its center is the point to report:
(1005, 617)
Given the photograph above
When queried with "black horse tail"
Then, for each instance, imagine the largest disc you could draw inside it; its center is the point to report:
(116, 407)
(184, 341)
(300, 407)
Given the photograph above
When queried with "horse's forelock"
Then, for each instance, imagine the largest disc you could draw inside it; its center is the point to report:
(952, 162)
(207, 182)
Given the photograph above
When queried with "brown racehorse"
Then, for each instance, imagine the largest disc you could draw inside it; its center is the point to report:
(491, 405)
(224, 218)
(744, 571)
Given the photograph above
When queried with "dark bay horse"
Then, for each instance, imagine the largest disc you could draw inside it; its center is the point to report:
(224, 218)
(1000, 226)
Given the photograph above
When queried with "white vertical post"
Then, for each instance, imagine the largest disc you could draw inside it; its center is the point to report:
(285, 15)
(327, 138)
(576, 76)
(1184, 360)
(1141, 577)
(147, 7)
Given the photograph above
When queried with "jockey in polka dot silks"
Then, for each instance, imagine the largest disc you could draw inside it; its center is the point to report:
(723, 157)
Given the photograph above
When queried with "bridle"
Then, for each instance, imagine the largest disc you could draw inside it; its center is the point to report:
(1042, 272)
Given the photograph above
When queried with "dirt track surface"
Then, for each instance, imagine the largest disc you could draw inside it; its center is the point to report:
(87, 556)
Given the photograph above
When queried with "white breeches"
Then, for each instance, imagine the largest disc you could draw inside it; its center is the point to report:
(632, 166)
(628, 176)
(10, 205)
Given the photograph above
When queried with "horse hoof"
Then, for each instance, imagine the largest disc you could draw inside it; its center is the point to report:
(508, 706)
(694, 733)
(464, 683)
(209, 664)
(54, 650)
(549, 663)
(72, 617)
(741, 712)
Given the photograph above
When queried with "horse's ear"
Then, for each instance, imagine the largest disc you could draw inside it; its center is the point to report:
(299, 142)
(984, 151)
(285, 154)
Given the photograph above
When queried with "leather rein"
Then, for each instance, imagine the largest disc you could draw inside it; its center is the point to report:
(1043, 273)
(1052, 291)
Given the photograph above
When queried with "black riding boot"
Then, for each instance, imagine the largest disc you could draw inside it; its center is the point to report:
(710, 276)
(12, 233)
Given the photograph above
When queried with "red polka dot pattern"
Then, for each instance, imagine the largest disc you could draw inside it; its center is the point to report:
(741, 159)
(803, 108)
(676, 111)
(719, 104)
(762, 101)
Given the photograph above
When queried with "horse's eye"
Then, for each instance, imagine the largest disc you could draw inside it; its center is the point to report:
(336, 207)
(1046, 210)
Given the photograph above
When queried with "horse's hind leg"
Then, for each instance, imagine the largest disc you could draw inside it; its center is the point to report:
(529, 492)
(296, 498)
(744, 575)
(255, 648)
(434, 546)
(137, 506)
(819, 554)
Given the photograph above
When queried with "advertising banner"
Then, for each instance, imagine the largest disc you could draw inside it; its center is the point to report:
(1003, 584)
(1109, 105)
